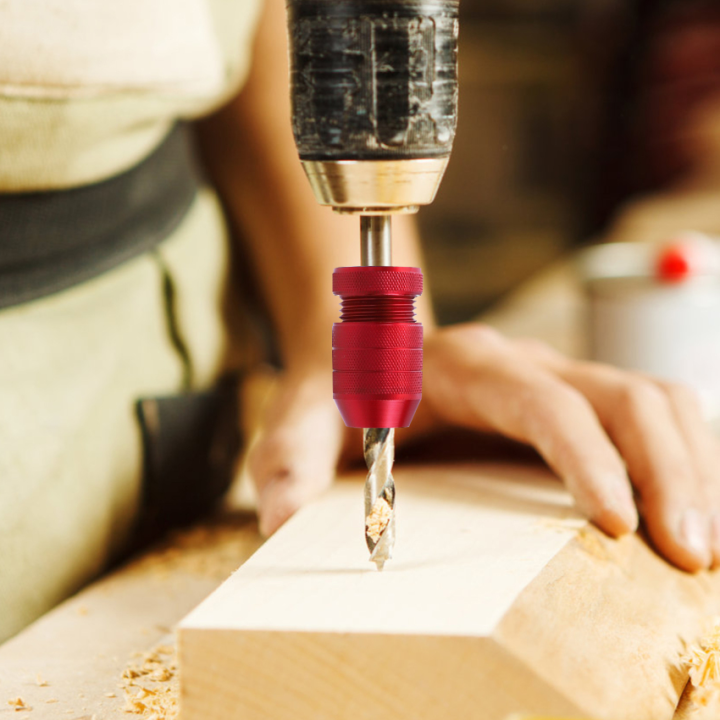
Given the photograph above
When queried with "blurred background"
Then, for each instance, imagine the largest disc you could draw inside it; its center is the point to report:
(567, 109)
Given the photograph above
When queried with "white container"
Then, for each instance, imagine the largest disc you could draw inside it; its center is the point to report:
(640, 322)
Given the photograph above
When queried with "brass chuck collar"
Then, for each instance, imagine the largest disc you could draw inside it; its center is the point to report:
(375, 187)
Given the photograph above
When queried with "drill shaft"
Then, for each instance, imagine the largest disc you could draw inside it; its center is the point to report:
(378, 443)
(375, 240)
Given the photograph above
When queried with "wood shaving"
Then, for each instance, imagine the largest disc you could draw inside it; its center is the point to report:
(703, 660)
(151, 685)
(562, 525)
(41, 681)
(378, 519)
(51, 700)
(591, 542)
(19, 704)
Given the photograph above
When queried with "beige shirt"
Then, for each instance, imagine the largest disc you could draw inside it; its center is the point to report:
(89, 87)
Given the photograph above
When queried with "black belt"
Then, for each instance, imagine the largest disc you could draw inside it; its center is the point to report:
(50, 241)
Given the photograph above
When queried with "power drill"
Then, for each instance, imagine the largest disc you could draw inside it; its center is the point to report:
(374, 110)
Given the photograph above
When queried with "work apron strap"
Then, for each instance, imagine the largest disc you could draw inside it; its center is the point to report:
(50, 241)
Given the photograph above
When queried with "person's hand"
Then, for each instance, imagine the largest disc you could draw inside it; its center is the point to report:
(602, 430)
(296, 454)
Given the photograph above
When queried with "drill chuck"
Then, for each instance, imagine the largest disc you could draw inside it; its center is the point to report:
(377, 346)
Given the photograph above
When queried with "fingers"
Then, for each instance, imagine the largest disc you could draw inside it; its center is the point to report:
(294, 458)
(487, 384)
(669, 453)
(594, 425)
(562, 426)
(641, 421)
(704, 452)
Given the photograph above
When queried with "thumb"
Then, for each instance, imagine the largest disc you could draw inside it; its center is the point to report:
(296, 453)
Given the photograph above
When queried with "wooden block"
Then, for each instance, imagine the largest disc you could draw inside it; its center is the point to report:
(499, 600)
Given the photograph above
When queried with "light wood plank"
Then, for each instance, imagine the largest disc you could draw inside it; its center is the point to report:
(500, 599)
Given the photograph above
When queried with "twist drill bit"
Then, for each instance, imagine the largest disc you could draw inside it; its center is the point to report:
(379, 450)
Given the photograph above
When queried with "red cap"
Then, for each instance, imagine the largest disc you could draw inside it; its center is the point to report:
(689, 255)
(673, 264)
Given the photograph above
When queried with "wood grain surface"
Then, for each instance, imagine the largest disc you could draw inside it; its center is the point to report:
(500, 599)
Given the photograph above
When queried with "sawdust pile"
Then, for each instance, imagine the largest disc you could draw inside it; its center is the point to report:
(214, 550)
(151, 685)
(378, 519)
(703, 660)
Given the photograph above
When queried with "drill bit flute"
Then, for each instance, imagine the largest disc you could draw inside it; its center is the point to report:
(374, 108)
(379, 449)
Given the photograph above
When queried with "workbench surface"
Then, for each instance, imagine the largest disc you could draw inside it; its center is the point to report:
(89, 657)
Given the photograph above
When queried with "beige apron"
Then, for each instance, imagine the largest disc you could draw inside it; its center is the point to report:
(87, 89)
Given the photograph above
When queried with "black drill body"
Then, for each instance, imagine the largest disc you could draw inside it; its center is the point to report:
(373, 79)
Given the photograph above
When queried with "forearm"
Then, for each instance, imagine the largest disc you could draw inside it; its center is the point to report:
(293, 242)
